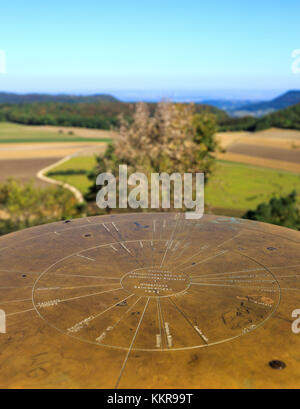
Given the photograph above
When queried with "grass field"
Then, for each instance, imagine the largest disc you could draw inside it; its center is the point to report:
(233, 186)
(81, 182)
(15, 133)
(242, 187)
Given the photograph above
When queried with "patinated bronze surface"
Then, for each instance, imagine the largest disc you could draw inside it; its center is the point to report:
(150, 301)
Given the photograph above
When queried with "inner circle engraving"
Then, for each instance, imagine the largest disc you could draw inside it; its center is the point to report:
(155, 282)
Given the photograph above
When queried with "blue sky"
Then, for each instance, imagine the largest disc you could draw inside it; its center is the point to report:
(94, 45)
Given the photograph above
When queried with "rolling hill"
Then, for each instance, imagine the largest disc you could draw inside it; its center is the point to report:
(12, 98)
(286, 100)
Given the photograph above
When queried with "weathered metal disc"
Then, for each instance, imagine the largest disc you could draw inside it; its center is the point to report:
(150, 301)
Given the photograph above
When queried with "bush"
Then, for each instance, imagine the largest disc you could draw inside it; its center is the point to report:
(283, 211)
(23, 206)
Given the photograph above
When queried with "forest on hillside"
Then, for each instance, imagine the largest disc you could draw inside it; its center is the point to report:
(105, 114)
(99, 115)
(288, 118)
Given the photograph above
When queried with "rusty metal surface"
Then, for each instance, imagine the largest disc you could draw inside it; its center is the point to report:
(150, 300)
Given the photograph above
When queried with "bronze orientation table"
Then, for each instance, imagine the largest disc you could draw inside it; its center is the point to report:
(150, 300)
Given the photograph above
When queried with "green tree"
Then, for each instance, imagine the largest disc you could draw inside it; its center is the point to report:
(171, 139)
(23, 206)
(283, 211)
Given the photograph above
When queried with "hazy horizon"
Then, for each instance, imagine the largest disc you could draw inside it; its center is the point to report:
(179, 95)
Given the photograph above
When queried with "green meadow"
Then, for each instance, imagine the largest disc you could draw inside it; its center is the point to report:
(242, 187)
(16, 133)
(81, 182)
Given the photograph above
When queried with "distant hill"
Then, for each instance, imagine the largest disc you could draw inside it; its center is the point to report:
(286, 100)
(228, 104)
(11, 98)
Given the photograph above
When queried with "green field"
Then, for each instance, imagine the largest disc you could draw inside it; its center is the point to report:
(81, 182)
(242, 187)
(15, 133)
(233, 186)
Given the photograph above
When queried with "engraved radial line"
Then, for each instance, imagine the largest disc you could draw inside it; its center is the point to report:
(232, 285)
(121, 240)
(83, 276)
(280, 267)
(87, 258)
(124, 248)
(260, 264)
(175, 256)
(171, 238)
(112, 306)
(183, 240)
(74, 288)
(232, 238)
(142, 249)
(206, 259)
(19, 312)
(290, 289)
(163, 323)
(152, 246)
(20, 272)
(8, 302)
(126, 312)
(179, 252)
(241, 279)
(25, 286)
(186, 318)
(90, 295)
(159, 321)
(152, 251)
(131, 345)
(190, 258)
(188, 232)
(230, 272)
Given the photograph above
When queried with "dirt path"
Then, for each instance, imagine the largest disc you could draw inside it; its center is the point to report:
(41, 176)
